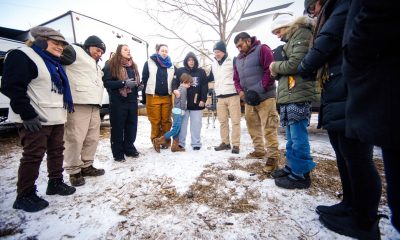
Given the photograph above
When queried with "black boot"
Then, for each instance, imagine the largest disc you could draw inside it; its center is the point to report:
(30, 202)
(348, 226)
(57, 186)
(340, 209)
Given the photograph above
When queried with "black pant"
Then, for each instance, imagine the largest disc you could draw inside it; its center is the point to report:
(360, 180)
(123, 120)
(391, 159)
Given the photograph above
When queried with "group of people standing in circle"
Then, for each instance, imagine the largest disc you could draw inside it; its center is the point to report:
(57, 109)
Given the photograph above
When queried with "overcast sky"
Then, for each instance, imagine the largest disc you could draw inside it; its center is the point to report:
(24, 14)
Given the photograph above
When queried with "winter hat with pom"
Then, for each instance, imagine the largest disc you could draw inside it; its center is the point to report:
(282, 20)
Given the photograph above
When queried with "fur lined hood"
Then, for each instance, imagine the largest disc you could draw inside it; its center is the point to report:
(301, 22)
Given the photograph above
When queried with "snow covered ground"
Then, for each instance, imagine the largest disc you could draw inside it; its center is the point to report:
(174, 196)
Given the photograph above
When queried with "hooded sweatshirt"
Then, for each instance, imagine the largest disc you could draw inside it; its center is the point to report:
(198, 91)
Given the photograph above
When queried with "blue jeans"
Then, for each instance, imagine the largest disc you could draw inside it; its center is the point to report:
(176, 127)
(298, 148)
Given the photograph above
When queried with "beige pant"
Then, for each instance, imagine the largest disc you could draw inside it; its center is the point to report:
(229, 107)
(81, 136)
(262, 123)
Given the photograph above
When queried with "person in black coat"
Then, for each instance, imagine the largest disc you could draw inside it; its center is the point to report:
(121, 78)
(196, 99)
(370, 70)
(358, 208)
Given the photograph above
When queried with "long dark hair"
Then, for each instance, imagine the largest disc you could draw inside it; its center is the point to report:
(116, 64)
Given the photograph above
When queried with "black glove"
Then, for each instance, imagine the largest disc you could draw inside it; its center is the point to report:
(130, 83)
(34, 124)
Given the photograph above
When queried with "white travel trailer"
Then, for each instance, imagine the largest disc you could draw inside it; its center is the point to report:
(76, 28)
(258, 18)
(5, 45)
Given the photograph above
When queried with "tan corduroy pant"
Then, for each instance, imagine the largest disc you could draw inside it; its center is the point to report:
(159, 114)
(262, 123)
(229, 108)
(81, 136)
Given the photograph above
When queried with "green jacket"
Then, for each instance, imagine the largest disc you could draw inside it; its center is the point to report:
(298, 35)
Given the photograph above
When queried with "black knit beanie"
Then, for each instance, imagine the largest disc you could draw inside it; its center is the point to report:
(94, 41)
(220, 46)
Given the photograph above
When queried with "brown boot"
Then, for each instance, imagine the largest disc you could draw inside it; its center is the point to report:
(166, 144)
(270, 165)
(155, 145)
(175, 146)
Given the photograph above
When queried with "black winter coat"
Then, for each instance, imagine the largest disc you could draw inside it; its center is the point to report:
(370, 66)
(327, 50)
(113, 85)
(199, 89)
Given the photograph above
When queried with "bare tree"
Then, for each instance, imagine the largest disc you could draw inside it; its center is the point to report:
(218, 17)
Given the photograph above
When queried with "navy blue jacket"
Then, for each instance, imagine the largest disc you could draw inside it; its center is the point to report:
(113, 85)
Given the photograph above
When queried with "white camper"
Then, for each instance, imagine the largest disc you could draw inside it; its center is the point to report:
(5, 45)
(76, 28)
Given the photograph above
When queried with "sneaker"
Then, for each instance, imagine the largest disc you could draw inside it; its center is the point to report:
(76, 179)
(57, 186)
(339, 209)
(30, 202)
(223, 146)
(92, 171)
(283, 172)
(270, 165)
(258, 155)
(235, 150)
(293, 181)
(196, 148)
(348, 226)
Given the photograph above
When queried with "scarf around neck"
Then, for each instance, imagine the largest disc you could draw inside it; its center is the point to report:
(164, 62)
(59, 79)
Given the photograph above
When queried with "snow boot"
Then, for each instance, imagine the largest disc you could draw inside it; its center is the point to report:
(293, 181)
(223, 146)
(57, 186)
(166, 144)
(76, 179)
(157, 142)
(339, 209)
(270, 165)
(30, 202)
(175, 146)
(257, 155)
(349, 226)
(283, 172)
(92, 171)
(235, 149)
